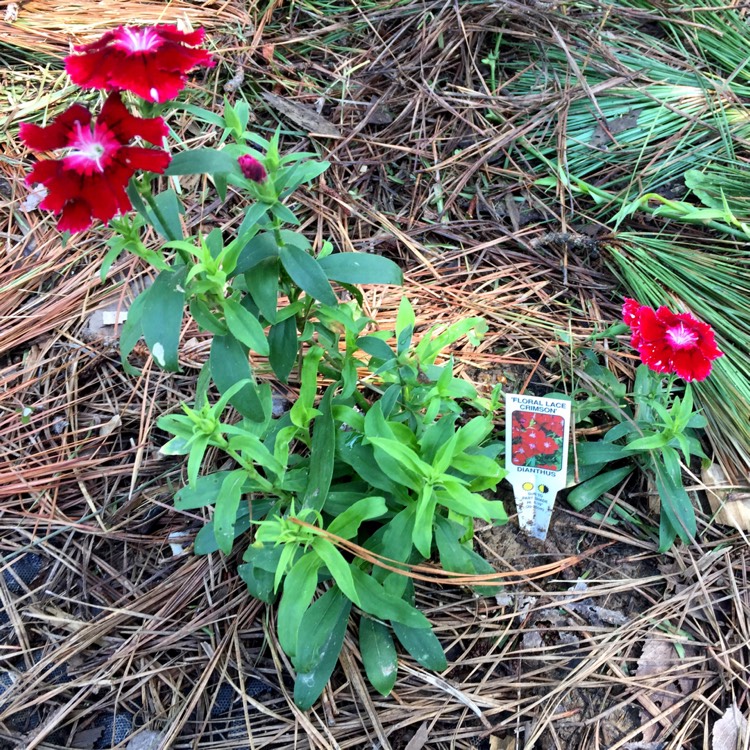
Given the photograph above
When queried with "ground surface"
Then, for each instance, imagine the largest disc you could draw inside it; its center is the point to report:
(104, 621)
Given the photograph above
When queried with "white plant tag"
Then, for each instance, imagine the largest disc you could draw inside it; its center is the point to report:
(536, 456)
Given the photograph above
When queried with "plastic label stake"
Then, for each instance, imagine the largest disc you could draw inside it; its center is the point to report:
(536, 456)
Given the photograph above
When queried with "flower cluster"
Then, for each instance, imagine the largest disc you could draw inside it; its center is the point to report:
(88, 182)
(537, 440)
(89, 179)
(671, 342)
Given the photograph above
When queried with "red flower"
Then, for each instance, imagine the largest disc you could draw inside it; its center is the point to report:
(88, 182)
(547, 445)
(150, 61)
(520, 454)
(550, 467)
(671, 342)
(553, 423)
(523, 419)
(531, 440)
(252, 168)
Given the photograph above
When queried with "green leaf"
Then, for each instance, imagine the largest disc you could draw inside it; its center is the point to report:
(259, 248)
(405, 456)
(361, 458)
(460, 499)
(619, 431)
(378, 655)
(253, 214)
(423, 645)
(282, 345)
(675, 502)
(405, 317)
(458, 558)
(376, 348)
(587, 492)
(337, 566)
(117, 246)
(259, 582)
(696, 422)
(261, 564)
(361, 268)
(229, 363)
(302, 412)
(648, 443)
(284, 214)
(245, 327)
(202, 161)
(227, 503)
(307, 274)
(346, 524)
(422, 535)
(429, 347)
(299, 588)
(205, 318)
(322, 453)
(205, 492)
(132, 330)
(324, 625)
(204, 115)
(307, 171)
(375, 600)
(162, 317)
(169, 209)
(477, 465)
(263, 284)
(195, 457)
(436, 437)
(598, 453)
(205, 540)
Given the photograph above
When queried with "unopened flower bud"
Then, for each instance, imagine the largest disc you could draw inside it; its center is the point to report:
(252, 168)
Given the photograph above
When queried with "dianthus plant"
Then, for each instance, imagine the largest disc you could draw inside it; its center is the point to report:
(334, 498)
(655, 426)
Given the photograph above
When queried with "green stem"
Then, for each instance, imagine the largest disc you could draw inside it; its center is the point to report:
(277, 232)
(250, 469)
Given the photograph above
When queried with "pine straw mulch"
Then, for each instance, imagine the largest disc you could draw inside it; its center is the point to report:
(648, 654)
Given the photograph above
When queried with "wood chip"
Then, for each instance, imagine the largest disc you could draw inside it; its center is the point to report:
(303, 116)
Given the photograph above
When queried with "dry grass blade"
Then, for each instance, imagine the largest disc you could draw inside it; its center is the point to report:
(41, 26)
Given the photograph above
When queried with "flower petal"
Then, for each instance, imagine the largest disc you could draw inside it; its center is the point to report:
(690, 364)
(147, 159)
(116, 116)
(76, 216)
(57, 133)
(656, 355)
(650, 328)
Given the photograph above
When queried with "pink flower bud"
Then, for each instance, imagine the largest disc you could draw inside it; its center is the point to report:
(252, 168)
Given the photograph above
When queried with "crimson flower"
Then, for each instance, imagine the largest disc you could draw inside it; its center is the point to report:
(553, 423)
(531, 439)
(520, 454)
(523, 419)
(547, 445)
(252, 169)
(88, 182)
(150, 61)
(671, 342)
